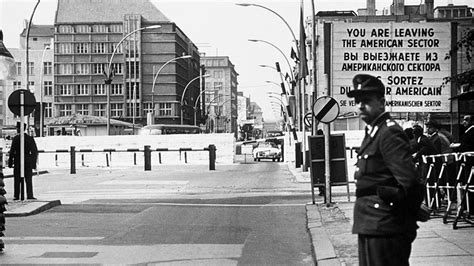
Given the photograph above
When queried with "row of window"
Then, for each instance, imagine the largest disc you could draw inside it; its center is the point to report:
(47, 86)
(88, 89)
(117, 28)
(89, 68)
(86, 48)
(47, 68)
(116, 109)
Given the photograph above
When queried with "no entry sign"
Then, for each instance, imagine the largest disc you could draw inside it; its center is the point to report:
(325, 109)
(29, 102)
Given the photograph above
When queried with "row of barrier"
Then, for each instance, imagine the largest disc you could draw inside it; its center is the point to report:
(147, 151)
(449, 183)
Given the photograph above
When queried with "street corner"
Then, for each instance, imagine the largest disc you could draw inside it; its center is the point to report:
(29, 207)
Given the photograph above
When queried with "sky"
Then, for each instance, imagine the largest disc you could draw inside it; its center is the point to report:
(222, 28)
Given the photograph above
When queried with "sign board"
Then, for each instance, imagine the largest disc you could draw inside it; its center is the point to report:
(338, 161)
(408, 57)
(14, 102)
(246, 149)
(325, 109)
(308, 121)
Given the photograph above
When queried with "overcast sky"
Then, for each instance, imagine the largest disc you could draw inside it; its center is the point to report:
(219, 27)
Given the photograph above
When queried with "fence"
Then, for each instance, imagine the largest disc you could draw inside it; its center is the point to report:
(146, 151)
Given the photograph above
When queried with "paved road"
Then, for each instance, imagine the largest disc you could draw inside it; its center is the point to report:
(248, 214)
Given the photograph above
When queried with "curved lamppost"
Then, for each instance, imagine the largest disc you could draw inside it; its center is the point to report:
(109, 76)
(184, 92)
(281, 52)
(156, 77)
(286, 23)
(199, 97)
(41, 91)
(281, 75)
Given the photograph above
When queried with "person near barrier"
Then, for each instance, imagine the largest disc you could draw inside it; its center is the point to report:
(467, 139)
(440, 141)
(388, 190)
(31, 155)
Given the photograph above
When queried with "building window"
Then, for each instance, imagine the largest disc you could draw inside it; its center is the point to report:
(218, 85)
(47, 68)
(82, 28)
(82, 69)
(31, 68)
(48, 88)
(100, 28)
(116, 28)
(64, 69)
(165, 109)
(66, 29)
(65, 48)
(116, 109)
(18, 68)
(98, 68)
(117, 89)
(82, 109)
(48, 109)
(147, 108)
(82, 48)
(218, 74)
(31, 86)
(133, 90)
(83, 89)
(117, 67)
(111, 47)
(100, 109)
(130, 112)
(99, 48)
(99, 89)
(16, 85)
(133, 69)
(65, 109)
(65, 89)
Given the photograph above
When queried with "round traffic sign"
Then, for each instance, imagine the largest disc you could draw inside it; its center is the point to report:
(308, 121)
(29, 102)
(325, 109)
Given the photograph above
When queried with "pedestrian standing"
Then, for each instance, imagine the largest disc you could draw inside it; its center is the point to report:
(388, 190)
(467, 139)
(31, 156)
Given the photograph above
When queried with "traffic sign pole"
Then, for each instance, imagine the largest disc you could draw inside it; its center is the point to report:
(22, 146)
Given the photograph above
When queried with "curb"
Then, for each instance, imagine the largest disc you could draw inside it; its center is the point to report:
(323, 250)
(33, 208)
(34, 174)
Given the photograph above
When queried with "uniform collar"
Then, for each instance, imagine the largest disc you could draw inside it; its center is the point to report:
(372, 128)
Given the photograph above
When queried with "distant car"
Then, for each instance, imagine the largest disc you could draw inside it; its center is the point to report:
(274, 133)
(267, 150)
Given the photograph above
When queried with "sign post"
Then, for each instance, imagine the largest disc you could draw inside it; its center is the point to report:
(326, 110)
(22, 102)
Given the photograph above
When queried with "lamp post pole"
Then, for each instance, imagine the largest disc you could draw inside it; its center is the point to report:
(41, 92)
(281, 52)
(109, 74)
(281, 75)
(184, 92)
(156, 77)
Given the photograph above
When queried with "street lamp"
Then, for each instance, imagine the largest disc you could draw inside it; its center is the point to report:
(41, 92)
(281, 52)
(108, 75)
(286, 23)
(184, 92)
(156, 77)
(281, 74)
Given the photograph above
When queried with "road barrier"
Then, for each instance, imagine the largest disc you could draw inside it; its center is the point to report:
(147, 151)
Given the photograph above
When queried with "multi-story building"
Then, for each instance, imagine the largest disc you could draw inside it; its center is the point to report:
(221, 93)
(40, 73)
(86, 37)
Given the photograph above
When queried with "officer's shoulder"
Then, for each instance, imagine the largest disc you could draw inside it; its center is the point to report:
(389, 125)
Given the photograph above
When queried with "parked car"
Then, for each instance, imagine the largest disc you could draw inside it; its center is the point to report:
(267, 150)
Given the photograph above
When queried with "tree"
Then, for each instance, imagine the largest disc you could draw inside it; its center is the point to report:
(465, 44)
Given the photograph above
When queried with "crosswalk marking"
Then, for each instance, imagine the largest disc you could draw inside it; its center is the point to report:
(143, 182)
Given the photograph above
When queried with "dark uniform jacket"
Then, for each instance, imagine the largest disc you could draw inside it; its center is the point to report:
(386, 181)
(467, 140)
(31, 152)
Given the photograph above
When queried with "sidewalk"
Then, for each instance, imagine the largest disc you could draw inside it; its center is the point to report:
(334, 243)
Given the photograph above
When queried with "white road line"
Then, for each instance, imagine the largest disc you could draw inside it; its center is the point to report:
(143, 182)
(206, 204)
(29, 238)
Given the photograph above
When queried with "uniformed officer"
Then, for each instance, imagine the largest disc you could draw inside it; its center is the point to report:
(387, 186)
